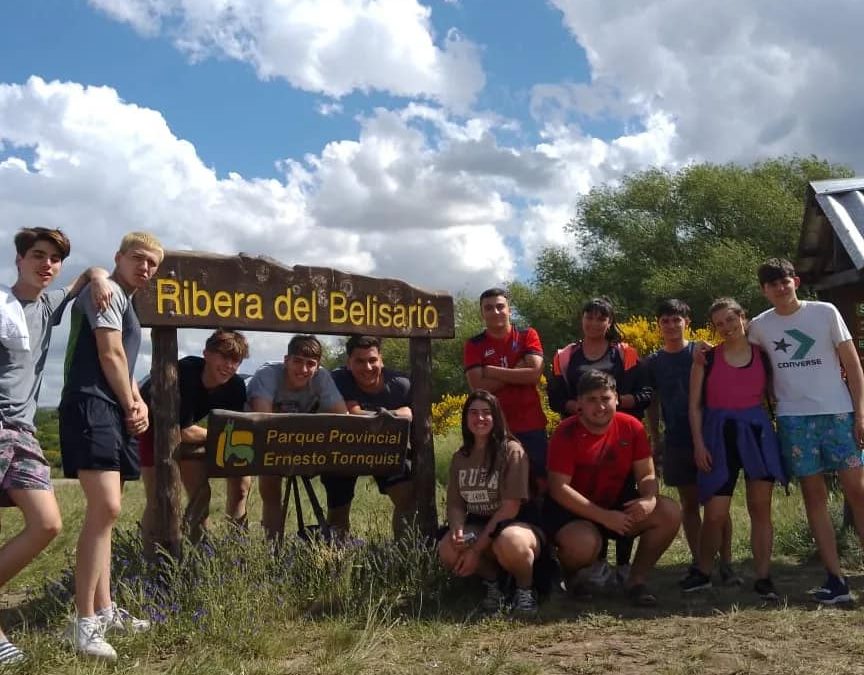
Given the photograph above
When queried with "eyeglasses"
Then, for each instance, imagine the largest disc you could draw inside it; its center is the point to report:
(474, 412)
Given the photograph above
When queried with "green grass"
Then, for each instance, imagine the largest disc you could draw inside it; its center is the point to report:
(236, 607)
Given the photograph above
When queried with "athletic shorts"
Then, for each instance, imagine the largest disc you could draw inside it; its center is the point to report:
(555, 516)
(814, 444)
(93, 437)
(534, 443)
(734, 465)
(22, 464)
(146, 454)
(679, 467)
(340, 489)
(476, 524)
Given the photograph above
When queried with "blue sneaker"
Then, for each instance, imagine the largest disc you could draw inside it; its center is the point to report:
(835, 590)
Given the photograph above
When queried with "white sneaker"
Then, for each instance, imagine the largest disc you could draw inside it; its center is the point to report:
(121, 621)
(86, 637)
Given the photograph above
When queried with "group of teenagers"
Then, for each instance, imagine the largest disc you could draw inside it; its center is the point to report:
(781, 396)
(514, 497)
(105, 416)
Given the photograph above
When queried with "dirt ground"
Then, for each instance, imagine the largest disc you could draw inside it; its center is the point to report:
(722, 630)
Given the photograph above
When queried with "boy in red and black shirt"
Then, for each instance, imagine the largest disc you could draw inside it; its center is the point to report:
(509, 362)
(591, 458)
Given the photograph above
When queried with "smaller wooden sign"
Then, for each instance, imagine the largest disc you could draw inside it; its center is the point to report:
(288, 444)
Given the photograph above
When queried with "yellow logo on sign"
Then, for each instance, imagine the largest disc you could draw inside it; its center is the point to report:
(235, 447)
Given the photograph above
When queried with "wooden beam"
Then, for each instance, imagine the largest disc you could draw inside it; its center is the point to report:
(422, 443)
(844, 278)
(165, 407)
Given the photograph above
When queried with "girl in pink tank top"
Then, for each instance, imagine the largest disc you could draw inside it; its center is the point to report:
(735, 387)
(732, 431)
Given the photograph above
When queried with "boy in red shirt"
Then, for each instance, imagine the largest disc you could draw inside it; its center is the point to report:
(591, 455)
(508, 362)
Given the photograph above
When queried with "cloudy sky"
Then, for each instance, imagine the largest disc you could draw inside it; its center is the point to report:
(443, 142)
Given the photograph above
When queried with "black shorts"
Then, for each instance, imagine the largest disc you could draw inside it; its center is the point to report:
(555, 516)
(526, 516)
(733, 461)
(679, 466)
(340, 489)
(93, 437)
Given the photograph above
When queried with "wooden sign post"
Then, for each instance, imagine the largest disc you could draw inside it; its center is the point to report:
(165, 400)
(203, 290)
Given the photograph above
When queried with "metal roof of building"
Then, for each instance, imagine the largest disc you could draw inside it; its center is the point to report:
(833, 213)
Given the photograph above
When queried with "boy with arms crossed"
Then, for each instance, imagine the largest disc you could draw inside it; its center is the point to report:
(28, 315)
(669, 369)
(508, 362)
(297, 385)
(820, 420)
(101, 413)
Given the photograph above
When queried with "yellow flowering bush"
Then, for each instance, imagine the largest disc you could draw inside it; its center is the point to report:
(639, 332)
(552, 417)
(447, 413)
(643, 334)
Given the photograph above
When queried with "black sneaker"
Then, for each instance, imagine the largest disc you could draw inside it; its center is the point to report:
(695, 581)
(525, 603)
(728, 575)
(692, 566)
(494, 600)
(765, 590)
(835, 590)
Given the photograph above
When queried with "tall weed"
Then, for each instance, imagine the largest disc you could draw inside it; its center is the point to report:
(232, 587)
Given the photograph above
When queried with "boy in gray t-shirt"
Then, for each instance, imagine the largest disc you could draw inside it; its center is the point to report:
(28, 313)
(297, 385)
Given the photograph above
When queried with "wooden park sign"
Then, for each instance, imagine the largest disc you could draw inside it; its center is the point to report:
(194, 290)
(291, 444)
(204, 290)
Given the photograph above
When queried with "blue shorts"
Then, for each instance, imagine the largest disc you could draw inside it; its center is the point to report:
(814, 444)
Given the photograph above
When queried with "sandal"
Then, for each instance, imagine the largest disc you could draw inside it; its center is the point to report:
(641, 597)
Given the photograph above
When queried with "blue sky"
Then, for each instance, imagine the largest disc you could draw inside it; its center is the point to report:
(239, 122)
(443, 142)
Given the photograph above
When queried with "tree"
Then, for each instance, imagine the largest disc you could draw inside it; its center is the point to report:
(697, 233)
(447, 374)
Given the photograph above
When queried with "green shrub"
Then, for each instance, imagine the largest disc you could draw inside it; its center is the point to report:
(216, 591)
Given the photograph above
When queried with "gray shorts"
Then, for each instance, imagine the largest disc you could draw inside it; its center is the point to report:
(22, 464)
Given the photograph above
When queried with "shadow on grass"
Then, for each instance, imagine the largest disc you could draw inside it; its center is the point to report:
(461, 601)
(431, 596)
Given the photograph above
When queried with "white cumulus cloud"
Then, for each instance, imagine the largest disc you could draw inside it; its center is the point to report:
(328, 46)
(740, 80)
